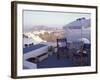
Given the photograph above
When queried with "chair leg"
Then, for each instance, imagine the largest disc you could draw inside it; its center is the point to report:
(67, 53)
(58, 56)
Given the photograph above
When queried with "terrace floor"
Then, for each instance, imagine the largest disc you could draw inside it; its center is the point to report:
(53, 62)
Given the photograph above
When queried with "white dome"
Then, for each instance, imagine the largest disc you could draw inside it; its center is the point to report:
(84, 40)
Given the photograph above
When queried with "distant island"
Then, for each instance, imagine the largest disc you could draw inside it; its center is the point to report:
(49, 34)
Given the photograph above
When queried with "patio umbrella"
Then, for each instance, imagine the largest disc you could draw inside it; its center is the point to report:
(78, 25)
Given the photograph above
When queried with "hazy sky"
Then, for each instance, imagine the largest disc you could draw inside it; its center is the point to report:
(51, 19)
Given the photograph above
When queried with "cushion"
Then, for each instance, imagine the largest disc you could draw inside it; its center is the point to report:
(62, 44)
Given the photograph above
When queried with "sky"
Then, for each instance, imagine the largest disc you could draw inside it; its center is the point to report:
(50, 19)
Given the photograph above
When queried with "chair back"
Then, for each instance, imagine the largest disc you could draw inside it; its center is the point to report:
(62, 42)
(87, 46)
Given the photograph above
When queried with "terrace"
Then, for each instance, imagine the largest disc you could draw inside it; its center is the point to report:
(38, 56)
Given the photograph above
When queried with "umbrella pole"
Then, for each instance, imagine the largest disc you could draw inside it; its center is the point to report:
(81, 58)
(81, 51)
